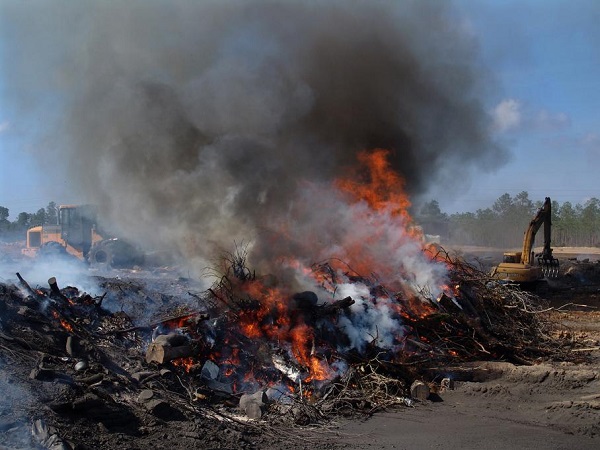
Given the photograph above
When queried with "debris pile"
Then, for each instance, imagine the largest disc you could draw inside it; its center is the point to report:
(82, 374)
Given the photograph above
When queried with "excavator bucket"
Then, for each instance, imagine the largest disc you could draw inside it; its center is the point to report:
(550, 266)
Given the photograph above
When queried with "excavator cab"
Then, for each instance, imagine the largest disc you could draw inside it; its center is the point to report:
(511, 257)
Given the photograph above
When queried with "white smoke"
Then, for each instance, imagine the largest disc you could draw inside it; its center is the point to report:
(371, 321)
(394, 256)
(507, 115)
(370, 242)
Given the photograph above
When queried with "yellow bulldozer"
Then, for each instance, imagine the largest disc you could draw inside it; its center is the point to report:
(77, 234)
(520, 267)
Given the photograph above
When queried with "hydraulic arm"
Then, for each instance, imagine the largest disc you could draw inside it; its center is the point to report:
(520, 266)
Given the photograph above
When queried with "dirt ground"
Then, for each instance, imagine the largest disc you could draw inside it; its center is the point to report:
(497, 405)
(546, 406)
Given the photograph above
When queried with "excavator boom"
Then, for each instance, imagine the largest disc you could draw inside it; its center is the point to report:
(520, 267)
(543, 217)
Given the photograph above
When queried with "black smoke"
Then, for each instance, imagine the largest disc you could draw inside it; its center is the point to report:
(194, 123)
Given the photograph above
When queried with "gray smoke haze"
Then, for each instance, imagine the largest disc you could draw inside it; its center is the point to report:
(195, 123)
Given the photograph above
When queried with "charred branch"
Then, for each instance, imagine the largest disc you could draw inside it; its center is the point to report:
(27, 288)
(333, 308)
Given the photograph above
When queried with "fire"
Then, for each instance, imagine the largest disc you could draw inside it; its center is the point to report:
(186, 363)
(66, 325)
(271, 318)
(380, 186)
(372, 249)
(251, 329)
(319, 370)
(63, 323)
(180, 322)
(301, 337)
(451, 291)
(370, 229)
(230, 364)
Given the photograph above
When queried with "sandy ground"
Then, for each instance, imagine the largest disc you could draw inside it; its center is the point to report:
(550, 405)
(538, 407)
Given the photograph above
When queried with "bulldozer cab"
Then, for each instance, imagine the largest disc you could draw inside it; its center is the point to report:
(77, 223)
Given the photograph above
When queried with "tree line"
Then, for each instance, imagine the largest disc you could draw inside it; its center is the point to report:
(17, 228)
(503, 224)
(500, 225)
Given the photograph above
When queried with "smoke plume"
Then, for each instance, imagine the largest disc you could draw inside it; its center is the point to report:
(195, 124)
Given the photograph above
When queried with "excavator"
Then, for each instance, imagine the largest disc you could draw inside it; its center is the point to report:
(520, 267)
(77, 234)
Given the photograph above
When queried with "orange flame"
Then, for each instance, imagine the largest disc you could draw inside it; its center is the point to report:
(380, 187)
(319, 370)
(272, 306)
(382, 190)
(379, 224)
(66, 325)
(273, 320)
(179, 322)
(63, 323)
(187, 363)
(302, 339)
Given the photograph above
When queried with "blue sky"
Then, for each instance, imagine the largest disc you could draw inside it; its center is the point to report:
(543, 54)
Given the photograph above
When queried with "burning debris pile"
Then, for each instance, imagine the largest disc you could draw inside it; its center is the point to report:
(352, 334)
(246, 347)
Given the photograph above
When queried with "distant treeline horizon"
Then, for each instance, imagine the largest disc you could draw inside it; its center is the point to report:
(502, 224)
(16, 229)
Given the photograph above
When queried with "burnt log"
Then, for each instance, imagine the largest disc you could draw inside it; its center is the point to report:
(162, 353)
(419, 390)
(141, 376)
(449, 304)
(333, 308)
(73, 347)
(306, 299)
(163, 410)
(28, 289)
(55, 291)
(92, 379)
(253, 404)
(167, 347)
(192, 318)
